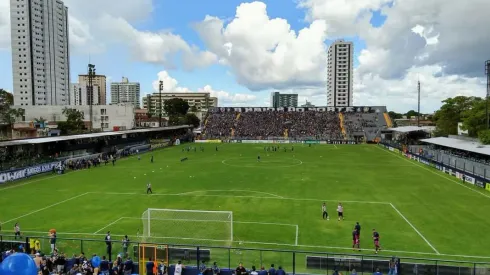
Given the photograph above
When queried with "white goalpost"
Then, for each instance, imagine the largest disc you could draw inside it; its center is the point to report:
(187, 226)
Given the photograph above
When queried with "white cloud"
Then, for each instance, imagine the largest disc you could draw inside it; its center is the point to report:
(265, 52)
(4, 25)
(224, 98)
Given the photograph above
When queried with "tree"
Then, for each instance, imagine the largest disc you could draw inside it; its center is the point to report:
(193, 109)
(484, 136)
(192, 119)
(411, 113)
(74, 121)
(451, 112)
(176, 107)
(394, 115)
(8, 115)
(173, 121)
(474, 119)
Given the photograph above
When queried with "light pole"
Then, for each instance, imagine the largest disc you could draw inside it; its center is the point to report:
(487, 73)
(160, 88)
(90, 91)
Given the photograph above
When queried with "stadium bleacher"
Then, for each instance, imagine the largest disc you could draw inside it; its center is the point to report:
(298, 125)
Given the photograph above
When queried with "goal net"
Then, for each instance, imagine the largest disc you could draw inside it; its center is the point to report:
(187, 226)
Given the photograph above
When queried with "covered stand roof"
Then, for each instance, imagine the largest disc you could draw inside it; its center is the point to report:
(92, 135)
(464, 145)
(408, 129)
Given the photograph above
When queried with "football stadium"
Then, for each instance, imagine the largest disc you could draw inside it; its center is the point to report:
(301, 190)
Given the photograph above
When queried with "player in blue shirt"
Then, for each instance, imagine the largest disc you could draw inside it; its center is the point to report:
(272, 270)
(377, 272)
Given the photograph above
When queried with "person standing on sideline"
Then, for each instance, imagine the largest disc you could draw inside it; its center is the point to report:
(262, 271)
(377, 272)
(254, 272)
(148, 188)
(272, 270)
(151, 158)
(324, 212)
(215, 268)
(52, 240)
(178, 268)
(17, 230)
(125, 244)
(281, 271)
(340, 211)
(149, 267)
(162, 268)
(240, 270)
(108, 244)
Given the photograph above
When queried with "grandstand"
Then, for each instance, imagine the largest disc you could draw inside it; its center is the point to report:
(323, 123)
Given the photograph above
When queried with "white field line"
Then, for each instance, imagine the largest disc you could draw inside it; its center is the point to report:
(335, 146)
(418, 232)
(108, 225)
(459, 183)
(253, 197)
(277, 244)
(44, 208)
(234, 190)
(297, 235)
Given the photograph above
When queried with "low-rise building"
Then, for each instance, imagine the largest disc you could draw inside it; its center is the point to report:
(198, 102)
(104, 117)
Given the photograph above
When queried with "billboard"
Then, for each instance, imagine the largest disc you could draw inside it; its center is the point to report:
(28, 171)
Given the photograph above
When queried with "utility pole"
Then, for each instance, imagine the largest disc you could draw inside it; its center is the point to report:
(90, 90)
(160, 88)
(487, 72)
(418, 104)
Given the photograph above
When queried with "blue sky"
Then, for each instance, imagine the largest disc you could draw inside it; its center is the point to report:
(116, 41)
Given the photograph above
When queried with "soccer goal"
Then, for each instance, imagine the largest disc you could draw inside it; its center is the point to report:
(187, 226)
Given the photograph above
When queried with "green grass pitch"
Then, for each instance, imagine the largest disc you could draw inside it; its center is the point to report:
(276, 203)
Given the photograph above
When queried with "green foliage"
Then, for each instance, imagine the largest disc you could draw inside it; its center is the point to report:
(8, 115)
(395, 115)
(484, 136)
(191, 119)
(176, 107)
(411, 114)
(173, 120)
(193, 109)
(455, 110)
(74, 122)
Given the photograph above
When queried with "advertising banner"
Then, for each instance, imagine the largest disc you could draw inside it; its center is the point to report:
(469, 179)
(487, 187)
(204, 141)
(28, 171)
(480, 184)
(312, 142)
(280, 141)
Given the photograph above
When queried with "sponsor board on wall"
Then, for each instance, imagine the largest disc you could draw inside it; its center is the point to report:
(355, 109)
(206, 141)
(391, 149)
(480, 183)
(28, 171)
(280, 141)
(488, 187)
(469, 179)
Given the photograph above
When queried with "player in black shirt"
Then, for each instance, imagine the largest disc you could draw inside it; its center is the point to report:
(358, 228)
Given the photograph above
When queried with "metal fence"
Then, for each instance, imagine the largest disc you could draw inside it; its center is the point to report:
(227, 258)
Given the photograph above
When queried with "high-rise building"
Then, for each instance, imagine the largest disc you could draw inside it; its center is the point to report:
(283, 100)
(340, 74)
(40, 52)
(308, 105)
(97, 80)
(125, 92)
(80, 94)
(198, 102)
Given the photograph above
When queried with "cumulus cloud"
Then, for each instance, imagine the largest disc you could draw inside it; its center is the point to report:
(110, 24)
(171, 85)
(265, 52)
(4, 25)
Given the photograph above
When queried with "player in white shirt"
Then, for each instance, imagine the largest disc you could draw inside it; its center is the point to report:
(324, 212)
(340, 211)
(148, 188)
(178, 268)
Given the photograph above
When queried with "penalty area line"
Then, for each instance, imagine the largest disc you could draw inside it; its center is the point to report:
(108, 225)
(413, 227)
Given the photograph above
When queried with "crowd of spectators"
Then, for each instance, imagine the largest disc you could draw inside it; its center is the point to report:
(274, 124)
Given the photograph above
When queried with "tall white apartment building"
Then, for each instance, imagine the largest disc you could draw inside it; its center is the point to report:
(125, 92)
(340, 74)
(80, 94)
(40, 53)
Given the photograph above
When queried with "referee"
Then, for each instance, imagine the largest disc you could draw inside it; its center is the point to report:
(324, 211)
